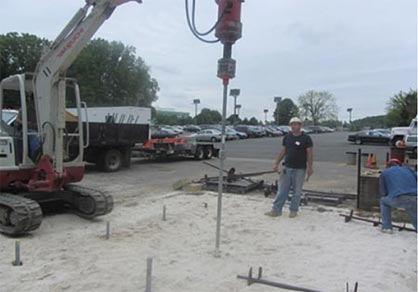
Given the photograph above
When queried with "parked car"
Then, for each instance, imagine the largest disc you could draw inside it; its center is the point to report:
(240, 135)
(170, 128)
(284, 129)
(370, 136)
(307, 130)
(272, 132)
(315, 129)
(258, 132)
(210, 135)
(231, 134)
(327, 129)
(192, 129)
(244, 129)
(165, 133)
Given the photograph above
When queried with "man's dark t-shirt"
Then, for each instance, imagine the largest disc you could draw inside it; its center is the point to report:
(296, 150)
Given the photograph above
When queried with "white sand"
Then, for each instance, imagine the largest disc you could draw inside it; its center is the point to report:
(315, 250)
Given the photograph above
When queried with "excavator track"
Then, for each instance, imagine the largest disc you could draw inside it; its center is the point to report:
(89, 203)
(18, 215)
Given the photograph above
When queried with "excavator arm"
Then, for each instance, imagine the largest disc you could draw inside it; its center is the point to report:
(49, 83)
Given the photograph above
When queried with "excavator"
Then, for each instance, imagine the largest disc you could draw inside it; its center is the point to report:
(36, 163)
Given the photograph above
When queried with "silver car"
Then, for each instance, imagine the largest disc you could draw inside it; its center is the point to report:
(209, 135)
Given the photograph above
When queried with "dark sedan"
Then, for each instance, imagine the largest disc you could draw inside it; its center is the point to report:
(166, 133)
(371, 136)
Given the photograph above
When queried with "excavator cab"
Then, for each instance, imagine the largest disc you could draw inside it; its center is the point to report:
(28, 177)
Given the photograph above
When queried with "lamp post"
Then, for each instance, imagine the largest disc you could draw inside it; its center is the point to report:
(196, 102)
(238, 107)
(235, 93)
(265, 116)
(277, 100)
(349, 110)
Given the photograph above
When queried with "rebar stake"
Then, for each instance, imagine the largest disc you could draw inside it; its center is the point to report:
(149, 275)
(164, 213)
(17, 261)
(107, 230)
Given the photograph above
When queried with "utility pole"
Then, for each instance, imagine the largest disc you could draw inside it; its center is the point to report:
(196, 102)
(277, 100)
(238, 107)
(349, 110)
(265, 116)
(235, 93)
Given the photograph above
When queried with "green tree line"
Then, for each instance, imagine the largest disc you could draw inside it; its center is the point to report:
(108, 73)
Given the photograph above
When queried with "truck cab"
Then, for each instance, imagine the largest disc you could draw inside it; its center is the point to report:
(400, 133)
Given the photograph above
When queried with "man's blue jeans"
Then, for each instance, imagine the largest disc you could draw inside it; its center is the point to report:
(405, 201)
(290, 177)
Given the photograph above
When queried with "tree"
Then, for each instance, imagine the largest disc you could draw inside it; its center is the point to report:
(109, 73)
(332, 124)
(233, 119)
(402, 108)
(164, 119)
(318, 106)
(368, 122)
(19, 53)
(208, 116)
(287, 110)
(253, 121)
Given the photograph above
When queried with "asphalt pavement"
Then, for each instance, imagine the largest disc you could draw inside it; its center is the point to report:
(328, 147)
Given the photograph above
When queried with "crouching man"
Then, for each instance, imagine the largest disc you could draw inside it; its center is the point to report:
(398, 189)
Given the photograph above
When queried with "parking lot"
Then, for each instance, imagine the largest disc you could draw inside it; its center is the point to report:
(249, 155)
(328, 147)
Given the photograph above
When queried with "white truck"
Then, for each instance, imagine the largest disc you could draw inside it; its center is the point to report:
(400, 133)
(111, 133)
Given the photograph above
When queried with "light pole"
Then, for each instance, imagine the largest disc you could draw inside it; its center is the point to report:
(196, 102)
(235, 93)
(238, 107)
(350, 109)
(265, 116)
(277, 100)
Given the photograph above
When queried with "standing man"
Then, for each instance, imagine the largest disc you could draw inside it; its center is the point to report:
(398, 189)
(297, 151)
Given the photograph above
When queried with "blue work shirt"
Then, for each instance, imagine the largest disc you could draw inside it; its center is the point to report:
(397, 180)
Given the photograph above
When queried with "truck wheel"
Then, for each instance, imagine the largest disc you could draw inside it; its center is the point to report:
(200, 154)
(111, 160)
(208, 152)
(394, 140)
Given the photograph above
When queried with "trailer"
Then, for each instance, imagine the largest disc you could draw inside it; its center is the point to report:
(176, 147)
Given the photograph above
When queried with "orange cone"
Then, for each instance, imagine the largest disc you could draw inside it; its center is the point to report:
(369, 161)
(373, 161)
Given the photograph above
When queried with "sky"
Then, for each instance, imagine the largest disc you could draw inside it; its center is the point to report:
(361, 51)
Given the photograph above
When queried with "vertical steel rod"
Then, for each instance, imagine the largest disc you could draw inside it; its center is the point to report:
(149, 275)
(164, 213)
(17, 261)
(107, 230)
(221, 167)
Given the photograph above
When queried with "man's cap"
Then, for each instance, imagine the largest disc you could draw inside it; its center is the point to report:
(393, 161)
(295, 120)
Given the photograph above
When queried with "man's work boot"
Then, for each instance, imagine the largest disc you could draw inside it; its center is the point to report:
(387, 230)
(273, 213)
(293, 214)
